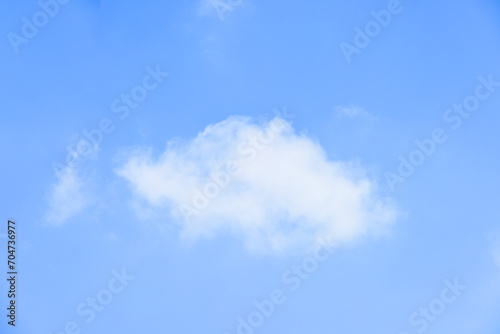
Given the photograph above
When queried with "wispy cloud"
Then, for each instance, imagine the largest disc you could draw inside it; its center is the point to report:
(496, 248)
(65, 198)
(493, 238)
(219, 8)
(274, 188)
(351, 111)
(205, 8)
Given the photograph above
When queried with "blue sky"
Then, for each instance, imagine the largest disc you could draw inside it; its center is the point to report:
(367, 154)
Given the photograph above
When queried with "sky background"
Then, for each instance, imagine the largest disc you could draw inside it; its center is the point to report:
(232, 74)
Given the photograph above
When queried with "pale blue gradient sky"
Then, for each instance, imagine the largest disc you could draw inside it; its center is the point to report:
(263, 55)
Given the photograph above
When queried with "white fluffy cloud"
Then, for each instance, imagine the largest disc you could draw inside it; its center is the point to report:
(65, 197)
(275, 189)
